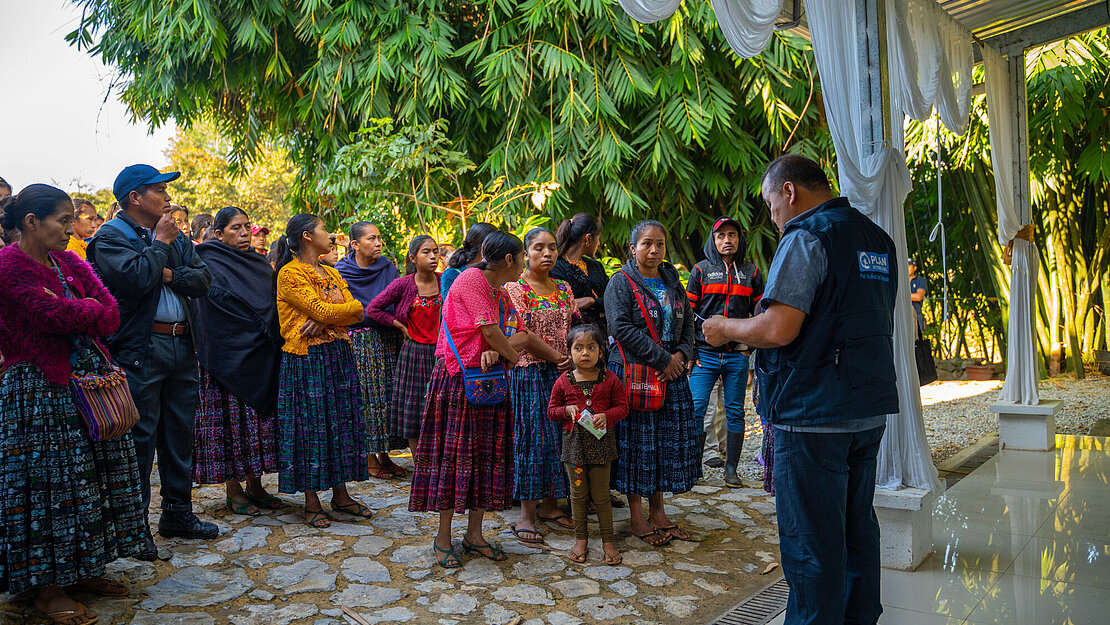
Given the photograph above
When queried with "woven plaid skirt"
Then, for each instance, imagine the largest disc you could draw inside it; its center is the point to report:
(231, 440)
(68, 506)
(322, 437)
(464, 460)
(376, 356)
(658, 450)
(410, 388)
(537, 440)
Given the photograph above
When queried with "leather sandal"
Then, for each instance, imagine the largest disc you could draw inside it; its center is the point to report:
(354, 508)
(496, 554)
(269, 502)
(644, 537)
(67, 616)
(449, 560)
(242, 508)
(318, 519)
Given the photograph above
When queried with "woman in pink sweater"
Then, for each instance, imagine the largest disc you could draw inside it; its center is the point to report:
(68, 506)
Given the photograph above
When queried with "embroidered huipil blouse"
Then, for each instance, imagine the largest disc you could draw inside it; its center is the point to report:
(548, 316)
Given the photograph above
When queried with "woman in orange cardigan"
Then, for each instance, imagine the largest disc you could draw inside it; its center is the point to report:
(321, 443)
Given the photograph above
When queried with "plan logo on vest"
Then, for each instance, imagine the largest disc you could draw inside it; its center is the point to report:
(874, 266)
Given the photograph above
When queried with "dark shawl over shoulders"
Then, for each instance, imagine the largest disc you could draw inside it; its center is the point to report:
(240, 341)
(589, 283)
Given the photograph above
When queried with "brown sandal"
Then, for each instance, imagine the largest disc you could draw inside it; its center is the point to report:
(67, 616)
(577, 558)
(644, 537)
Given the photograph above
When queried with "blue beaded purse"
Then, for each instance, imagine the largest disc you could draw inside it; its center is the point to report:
(483, 388)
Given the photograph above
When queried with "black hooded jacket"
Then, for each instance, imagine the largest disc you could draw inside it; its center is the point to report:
(717, 289)
(628, 326)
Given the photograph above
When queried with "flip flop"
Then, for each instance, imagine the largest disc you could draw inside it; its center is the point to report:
(577, 558)
(270, 502)
(380, 473)
(318, 519)
(242, 508)
(644, 537)
(449, 560)
(496, 554)
(555, 519)
(667, 530)
(614, 560)
(537, 538)
(62, 616)
(359, 509)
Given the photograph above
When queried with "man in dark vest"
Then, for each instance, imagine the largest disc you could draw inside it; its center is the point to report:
(825, 366)
(151, 269)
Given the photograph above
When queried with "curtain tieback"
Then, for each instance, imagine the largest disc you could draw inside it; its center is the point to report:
(1026, 233)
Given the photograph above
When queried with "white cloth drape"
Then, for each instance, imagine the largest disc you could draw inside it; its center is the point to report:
(929, 59)
(1000, 112)
(1021, 352)
(746, 24)
(650, 11)
(877, 184)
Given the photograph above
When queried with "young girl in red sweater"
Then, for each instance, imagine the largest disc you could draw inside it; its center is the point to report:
(589, 401)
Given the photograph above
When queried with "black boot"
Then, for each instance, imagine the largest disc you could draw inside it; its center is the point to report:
(186, 525)
(735, 444)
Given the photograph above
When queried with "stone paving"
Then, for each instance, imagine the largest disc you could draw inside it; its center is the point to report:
(275, 570)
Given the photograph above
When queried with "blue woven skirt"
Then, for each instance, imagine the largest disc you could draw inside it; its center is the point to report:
(68, 506)
(410, 391)
(322, 436)
(375, 352)
(658, 450)
(537, 440)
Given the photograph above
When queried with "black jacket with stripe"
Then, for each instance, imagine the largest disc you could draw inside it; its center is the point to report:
(717, 289)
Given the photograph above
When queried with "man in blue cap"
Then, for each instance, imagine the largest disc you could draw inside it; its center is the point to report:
(826, 380)
(151, 269)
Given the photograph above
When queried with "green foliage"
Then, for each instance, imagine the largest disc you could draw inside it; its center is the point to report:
(409, 181)
(208, 182)
(102, 199)
(632, 120)
(1068, 128)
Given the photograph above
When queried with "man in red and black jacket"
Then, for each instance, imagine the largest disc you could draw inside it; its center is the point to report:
(723, 284)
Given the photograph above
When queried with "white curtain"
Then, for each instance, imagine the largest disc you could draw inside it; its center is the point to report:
(930, 60)
(877, 184)
(746, 24)
(1021, 354)
(650, 11)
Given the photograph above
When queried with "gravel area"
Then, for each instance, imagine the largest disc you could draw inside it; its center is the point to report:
(957, 414)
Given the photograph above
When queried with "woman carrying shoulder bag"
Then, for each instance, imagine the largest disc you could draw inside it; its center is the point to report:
(68, 505)
(649, 317)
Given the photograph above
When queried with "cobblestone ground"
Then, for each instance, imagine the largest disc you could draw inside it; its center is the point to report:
(275, 570)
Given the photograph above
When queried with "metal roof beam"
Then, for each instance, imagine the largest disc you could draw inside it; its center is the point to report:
(1050, 30)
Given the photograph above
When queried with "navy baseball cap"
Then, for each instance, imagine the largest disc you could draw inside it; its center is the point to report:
(134, 176)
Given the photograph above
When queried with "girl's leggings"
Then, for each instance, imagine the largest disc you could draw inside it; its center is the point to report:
(590, 481)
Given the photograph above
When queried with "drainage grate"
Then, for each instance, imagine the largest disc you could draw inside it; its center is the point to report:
(759, 608)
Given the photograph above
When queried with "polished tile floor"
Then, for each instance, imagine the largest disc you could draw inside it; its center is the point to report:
(1023, 540)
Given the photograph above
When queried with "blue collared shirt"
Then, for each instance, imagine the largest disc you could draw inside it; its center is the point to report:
(170, 307)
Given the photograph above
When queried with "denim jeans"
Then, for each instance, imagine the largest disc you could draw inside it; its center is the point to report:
(732, 369)
(165, 392)
(828, 533)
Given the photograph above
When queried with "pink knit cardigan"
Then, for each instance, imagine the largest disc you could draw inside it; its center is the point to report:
(36, 319)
